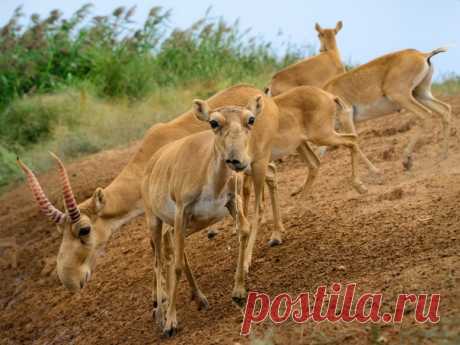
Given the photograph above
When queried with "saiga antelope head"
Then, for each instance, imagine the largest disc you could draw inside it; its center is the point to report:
(232, 126)
(80, 242)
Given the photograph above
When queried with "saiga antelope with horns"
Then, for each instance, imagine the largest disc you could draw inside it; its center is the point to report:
(109, 208)
(72, 225)
(315, 70)
(390, 83)
(191, 194)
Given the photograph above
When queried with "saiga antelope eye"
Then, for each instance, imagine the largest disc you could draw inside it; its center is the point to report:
(251, 120)
(214, 124)
(84, 231)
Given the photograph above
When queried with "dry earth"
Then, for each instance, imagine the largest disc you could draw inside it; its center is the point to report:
(401, 237)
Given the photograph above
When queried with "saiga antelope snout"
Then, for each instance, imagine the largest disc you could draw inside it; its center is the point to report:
(232, 133)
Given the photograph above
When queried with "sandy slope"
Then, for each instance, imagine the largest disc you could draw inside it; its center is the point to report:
(403, 236)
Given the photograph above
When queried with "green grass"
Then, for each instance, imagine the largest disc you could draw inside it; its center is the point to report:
(85, 83)
(73, 123)
(450, 85)
(120, 58)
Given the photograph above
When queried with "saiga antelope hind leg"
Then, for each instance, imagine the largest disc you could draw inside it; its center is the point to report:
(345, 116)
(310, 158)
(350, 141)
(155, 225)
(272, 183)
(258, 172)
(408, 102)
(197, 295)
(444, 111)
(180, 226)
(167, 256)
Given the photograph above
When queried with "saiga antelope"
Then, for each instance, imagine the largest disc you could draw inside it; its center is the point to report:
(307, 115)
(315, 70)
(390, 83)
(109, 208)
(193, 193)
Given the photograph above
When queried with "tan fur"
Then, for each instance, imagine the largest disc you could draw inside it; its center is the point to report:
(393, 82)
(315, 70)
(307, 115)
(191, 194)
(109, 208)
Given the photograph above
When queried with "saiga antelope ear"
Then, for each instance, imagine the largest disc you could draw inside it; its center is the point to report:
(338, 26)
(318, 28)
(201, 109)
(255, 105)
(99, 200)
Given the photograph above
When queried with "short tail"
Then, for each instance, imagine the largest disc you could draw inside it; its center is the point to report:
(433, 53)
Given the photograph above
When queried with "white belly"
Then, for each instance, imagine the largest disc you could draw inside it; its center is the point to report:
(204, 211)
(287, 144)
(383, 106)
(280, 152)
(208, 208)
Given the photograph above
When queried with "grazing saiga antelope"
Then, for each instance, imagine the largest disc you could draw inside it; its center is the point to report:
(191, 183)
(390, 83)
(109, 208)
(315, 70)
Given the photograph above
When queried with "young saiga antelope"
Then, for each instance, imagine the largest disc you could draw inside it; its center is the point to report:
(393, 82)
(315, 70)
(307, 115)
(190, 184)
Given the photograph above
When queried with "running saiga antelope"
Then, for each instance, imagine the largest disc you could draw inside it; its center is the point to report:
(94, 220)
(193, 193)
(315, 70)
(307, 115)
(390, 83)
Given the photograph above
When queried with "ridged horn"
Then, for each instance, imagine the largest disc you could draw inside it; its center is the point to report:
(69, 198)
(43, 203)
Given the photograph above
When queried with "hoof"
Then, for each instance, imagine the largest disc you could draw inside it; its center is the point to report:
(407, 163)
(376, 173)
(360, 188)
(240, 301)
(239, 296)
(170, 332)
(274, 242)
(201, 301)
(212, 233)
(203, 304)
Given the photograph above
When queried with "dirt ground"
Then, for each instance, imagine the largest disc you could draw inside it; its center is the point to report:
(401, 237)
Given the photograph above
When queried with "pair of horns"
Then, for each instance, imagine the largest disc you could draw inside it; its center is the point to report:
(47, 208)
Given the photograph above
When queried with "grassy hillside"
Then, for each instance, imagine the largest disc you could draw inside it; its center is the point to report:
(81, 84)
(86, 83)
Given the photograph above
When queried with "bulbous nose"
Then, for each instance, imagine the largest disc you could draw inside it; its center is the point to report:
(235, 164)
(233, 161)
(74, 280)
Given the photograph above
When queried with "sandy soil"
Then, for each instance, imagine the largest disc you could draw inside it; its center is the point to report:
(401, 237)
